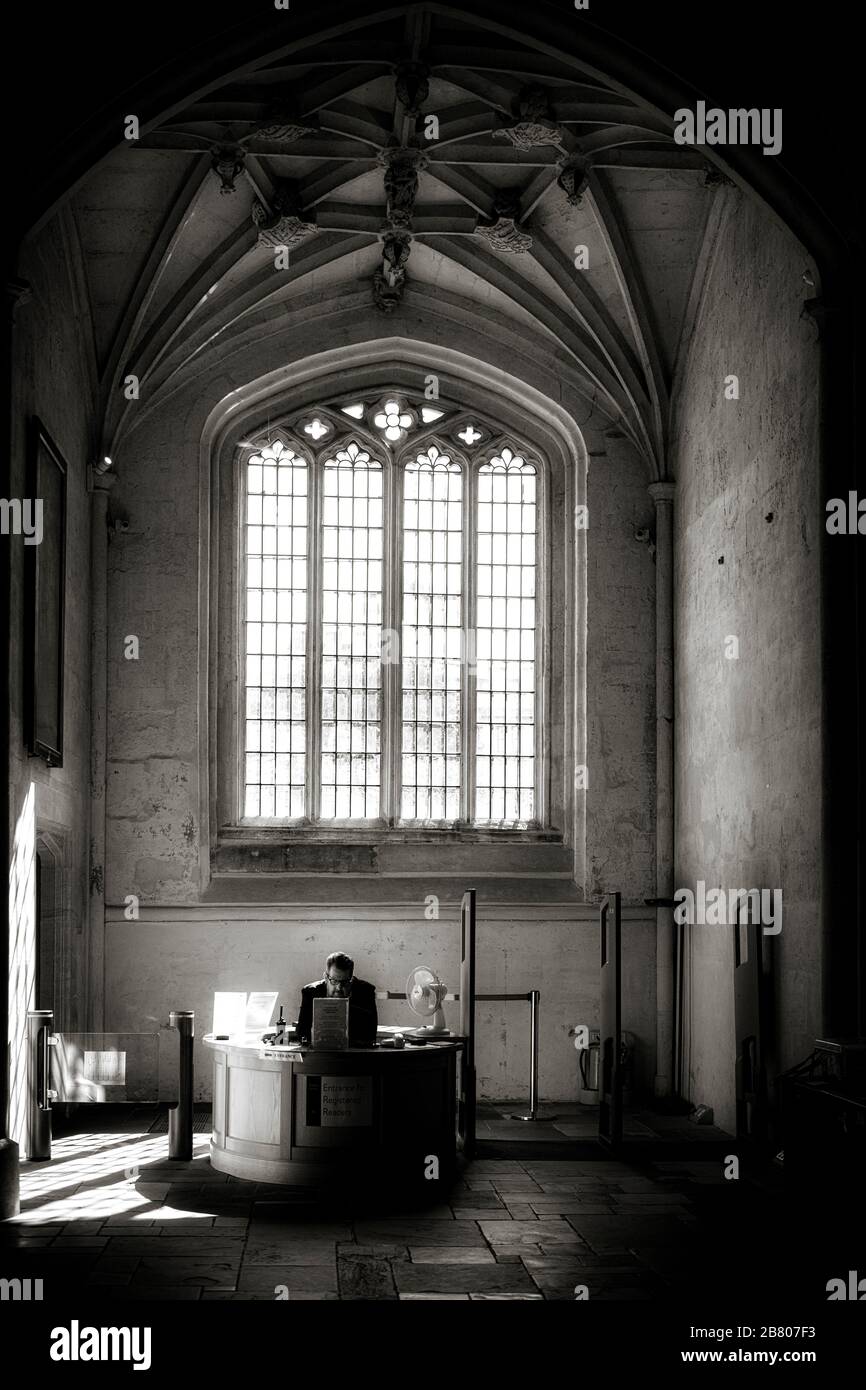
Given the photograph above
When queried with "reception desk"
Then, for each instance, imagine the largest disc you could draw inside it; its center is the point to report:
(320, 1118)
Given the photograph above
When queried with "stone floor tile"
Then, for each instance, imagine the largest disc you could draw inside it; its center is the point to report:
(563, 1206)
(612, 1264)
(302, 1252)
(493, 1278)
(27, 1243)
(571, 1189)
(384, 1213)
(208, 1273)
(80, 1242)
(556, 1232)
(431, 1297)
(297, 1278)
(263, 1296)
(31, 1228)
(484, 1214)
(475, 1200)
(275, 1229)
(420, 1232)
(313, 1296)
(366, 1278)
(347, 1251)
(212, 1235)
(520, 1211)
(648, 1200)
(157, 1293)
(506, 1297)
(450, 1255)
(164, 1247)
(248, 1296)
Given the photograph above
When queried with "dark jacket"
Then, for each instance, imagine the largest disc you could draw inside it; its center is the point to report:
(363, 1016)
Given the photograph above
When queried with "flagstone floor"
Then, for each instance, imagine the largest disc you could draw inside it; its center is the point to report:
(110, 1214)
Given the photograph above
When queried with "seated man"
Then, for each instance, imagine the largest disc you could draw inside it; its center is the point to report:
(338, 983)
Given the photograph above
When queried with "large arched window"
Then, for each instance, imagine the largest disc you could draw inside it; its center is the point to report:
(392, 620)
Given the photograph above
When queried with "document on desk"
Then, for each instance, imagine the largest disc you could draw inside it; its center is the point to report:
(331, 1023)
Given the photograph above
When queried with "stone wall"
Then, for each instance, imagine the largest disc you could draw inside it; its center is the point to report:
(51, 381)
(747, 518)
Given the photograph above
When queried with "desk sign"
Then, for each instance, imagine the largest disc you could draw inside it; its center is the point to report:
(339, 1101)
(331, 1023)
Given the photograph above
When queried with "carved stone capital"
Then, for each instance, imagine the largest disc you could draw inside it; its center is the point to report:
(227, 162)
(100, 481)
(412, 85)
(281, 122)
(389, 280)
(283, 224)
(402, 166)
(663, 493)
(396, 246)
(502, 232)
(286, 132)
(534, 124)
(387, 296)
(573, 178)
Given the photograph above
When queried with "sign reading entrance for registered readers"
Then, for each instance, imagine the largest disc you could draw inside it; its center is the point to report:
(339, 1100)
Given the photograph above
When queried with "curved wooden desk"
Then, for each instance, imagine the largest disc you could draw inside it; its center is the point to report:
(316, 1118)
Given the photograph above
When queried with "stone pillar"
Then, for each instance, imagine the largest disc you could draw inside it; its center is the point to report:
(100, 487)
(663, 496)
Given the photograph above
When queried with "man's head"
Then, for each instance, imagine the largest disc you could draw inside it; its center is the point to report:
(339, 969)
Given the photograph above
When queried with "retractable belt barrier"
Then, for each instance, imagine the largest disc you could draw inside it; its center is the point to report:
(533, 998)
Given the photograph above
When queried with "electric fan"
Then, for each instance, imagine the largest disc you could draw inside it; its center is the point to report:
(424, 995)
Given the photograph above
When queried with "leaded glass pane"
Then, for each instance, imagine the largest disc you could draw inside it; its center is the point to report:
(506, 620)
(432, 619)
(275, 631)
(352, 551)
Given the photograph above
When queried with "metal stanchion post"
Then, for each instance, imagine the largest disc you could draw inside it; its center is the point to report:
(39, 1023)
(180, 1115)
(534, 1001)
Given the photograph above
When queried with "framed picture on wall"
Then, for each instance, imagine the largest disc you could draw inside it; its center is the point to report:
(45, 578)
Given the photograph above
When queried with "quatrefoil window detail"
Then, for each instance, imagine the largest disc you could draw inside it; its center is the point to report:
(393, 421)
(317, 429)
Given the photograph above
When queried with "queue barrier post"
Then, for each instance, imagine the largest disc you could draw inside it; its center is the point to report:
(180, 1116)
(39, 1039)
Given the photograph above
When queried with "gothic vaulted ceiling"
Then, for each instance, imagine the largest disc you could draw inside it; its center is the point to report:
(417, 164)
